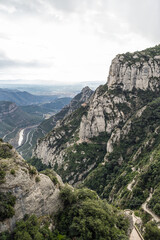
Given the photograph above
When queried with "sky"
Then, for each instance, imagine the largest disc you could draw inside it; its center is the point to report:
(71, 41)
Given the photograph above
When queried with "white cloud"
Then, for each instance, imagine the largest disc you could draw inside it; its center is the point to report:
(73, 40)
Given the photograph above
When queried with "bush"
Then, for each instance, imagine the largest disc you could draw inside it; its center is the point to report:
(2, 175)
(32, 170)
(7, 202)
(37, 179)
(87, 217)
(12, 172)
(151, 232)
(5, 151)
(32, 228)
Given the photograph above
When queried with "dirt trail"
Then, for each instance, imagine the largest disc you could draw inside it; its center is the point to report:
(146, 209)
(129, 187)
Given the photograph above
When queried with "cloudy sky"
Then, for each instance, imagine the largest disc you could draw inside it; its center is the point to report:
(70, 41)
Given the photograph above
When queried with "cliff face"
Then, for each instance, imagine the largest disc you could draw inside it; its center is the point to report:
(128, 73)
(136, 72)
(35, 193)
(133, 82)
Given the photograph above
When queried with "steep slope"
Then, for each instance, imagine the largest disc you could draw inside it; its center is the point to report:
(23, 190)
(115, 138)
(47, 125)
(56, 208)
(12, 119)
(22, 98)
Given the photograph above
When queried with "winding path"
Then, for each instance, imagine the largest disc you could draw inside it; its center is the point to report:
(146, 209)
(129, 187)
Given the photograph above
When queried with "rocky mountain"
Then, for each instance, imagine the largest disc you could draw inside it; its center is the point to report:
(23, 98)
(47, 125)
(111, 144)
(23, 190)
(56, 208)
(12, 119)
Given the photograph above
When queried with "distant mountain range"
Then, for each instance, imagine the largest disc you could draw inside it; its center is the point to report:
(23, 98)
(45, 108)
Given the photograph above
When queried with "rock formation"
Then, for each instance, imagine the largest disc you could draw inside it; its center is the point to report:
(35, 193)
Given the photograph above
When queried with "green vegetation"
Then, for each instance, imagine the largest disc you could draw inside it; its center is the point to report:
(146, 217)
(152, 232)
(154, 203)
(13, 172)
(37, 179)
(7, 202)
(5, 150)
(140, 56)
(80, 157)
(2, 174)
(112, 178)
(51, 174)
(86, 216)
(32, 170)
(38, 164)
(32, 228)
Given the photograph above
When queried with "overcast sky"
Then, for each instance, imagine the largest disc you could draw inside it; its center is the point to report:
(70, 41)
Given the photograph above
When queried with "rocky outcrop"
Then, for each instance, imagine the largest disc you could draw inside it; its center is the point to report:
(134, 73)
(35, 193)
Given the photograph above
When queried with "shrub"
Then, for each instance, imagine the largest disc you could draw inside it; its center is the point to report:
(32, 228)
(37, 179)
(51, 174)
(87, 217)
(32, 170)
(2, 175)
(7, 202)
(12, 172)
(151, 232)
(5, 151)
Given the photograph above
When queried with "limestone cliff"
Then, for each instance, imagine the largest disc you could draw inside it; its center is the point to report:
(139, 70)
(100, 125)
(35, 193)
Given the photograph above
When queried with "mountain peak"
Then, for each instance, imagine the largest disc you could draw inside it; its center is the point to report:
(138, 70)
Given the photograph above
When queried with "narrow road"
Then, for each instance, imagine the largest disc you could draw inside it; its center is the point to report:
(146, 209)
(129, 187)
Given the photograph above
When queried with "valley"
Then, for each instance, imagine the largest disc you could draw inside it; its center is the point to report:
(104, 144)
